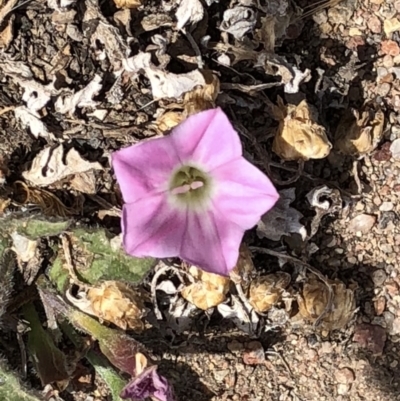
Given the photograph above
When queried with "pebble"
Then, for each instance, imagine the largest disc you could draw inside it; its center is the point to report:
(386, 207)
(362, 223)
(379, 277)
(374, 24)
(396, 326)
(395, 149)
(390, 47)
(391, 25)
(344, 376)
(383, 89)
(370, 337)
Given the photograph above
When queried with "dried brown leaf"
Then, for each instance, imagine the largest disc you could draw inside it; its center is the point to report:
(314, 299)
(128, 3)
(169, 120)
(84, 182)
(299, 136)
(244, 268)
(118, 303)
(359, 133)
(49, 167)
(208, 290)
(266, 291)
(6, 35)
(202, 98)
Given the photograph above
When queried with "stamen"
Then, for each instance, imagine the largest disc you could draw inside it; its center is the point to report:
(180, 190)
(196, 184)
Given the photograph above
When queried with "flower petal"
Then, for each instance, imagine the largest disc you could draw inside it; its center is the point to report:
(208, 139)
(243, 193)
(152, 228)
(211, 242)
(145, 168)
(148, 384)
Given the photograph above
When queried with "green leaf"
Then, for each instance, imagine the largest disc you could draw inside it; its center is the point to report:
(102, 260)
(49, 361)
(11, 388)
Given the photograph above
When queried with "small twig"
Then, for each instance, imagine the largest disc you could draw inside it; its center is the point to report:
(196, 49)
(69, 262)
(276, 353)
(6, 110)
(243, 297)
(294, 260)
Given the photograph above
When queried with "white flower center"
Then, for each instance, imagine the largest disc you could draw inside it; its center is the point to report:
(190, 186)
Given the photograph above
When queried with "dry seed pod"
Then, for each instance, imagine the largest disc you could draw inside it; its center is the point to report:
(299, 136)
(266, 291)
(244, 266)
(314, 299)
(359, 133)
(169, 120)
(207, 291)
(117, 303)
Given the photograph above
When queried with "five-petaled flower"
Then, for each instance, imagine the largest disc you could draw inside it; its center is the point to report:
(191, 194)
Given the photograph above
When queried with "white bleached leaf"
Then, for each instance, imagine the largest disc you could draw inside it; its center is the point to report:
(31, 121)
(238, 21)
(36, 95)
(170, 85)
(298, 78)
(189, 11)
(282, 219)
(49, 166)
(23, 247)
(248, 322)
(140, 61)
(82, 98)
(59, 5)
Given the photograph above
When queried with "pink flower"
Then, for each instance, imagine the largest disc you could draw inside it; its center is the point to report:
(191, 194)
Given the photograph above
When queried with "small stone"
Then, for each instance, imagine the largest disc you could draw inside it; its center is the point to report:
(254, 354)
(379, 277)
(385, 219)
(390, 47)
(376, 200)
(354, 32)
(374, 24)
(370, 337)
(391, 25)
(344, 376)
(395, 327)
(381, 72)
(383, 89)
(221, 374)
(386, 207)
(343, 389)
(388, 61)
(383, 154)
(362, 222)
(379, 305)
(395, 149)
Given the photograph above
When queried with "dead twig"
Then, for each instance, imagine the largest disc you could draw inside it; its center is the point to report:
(69, 262)
(294, 260)
(195, 47)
